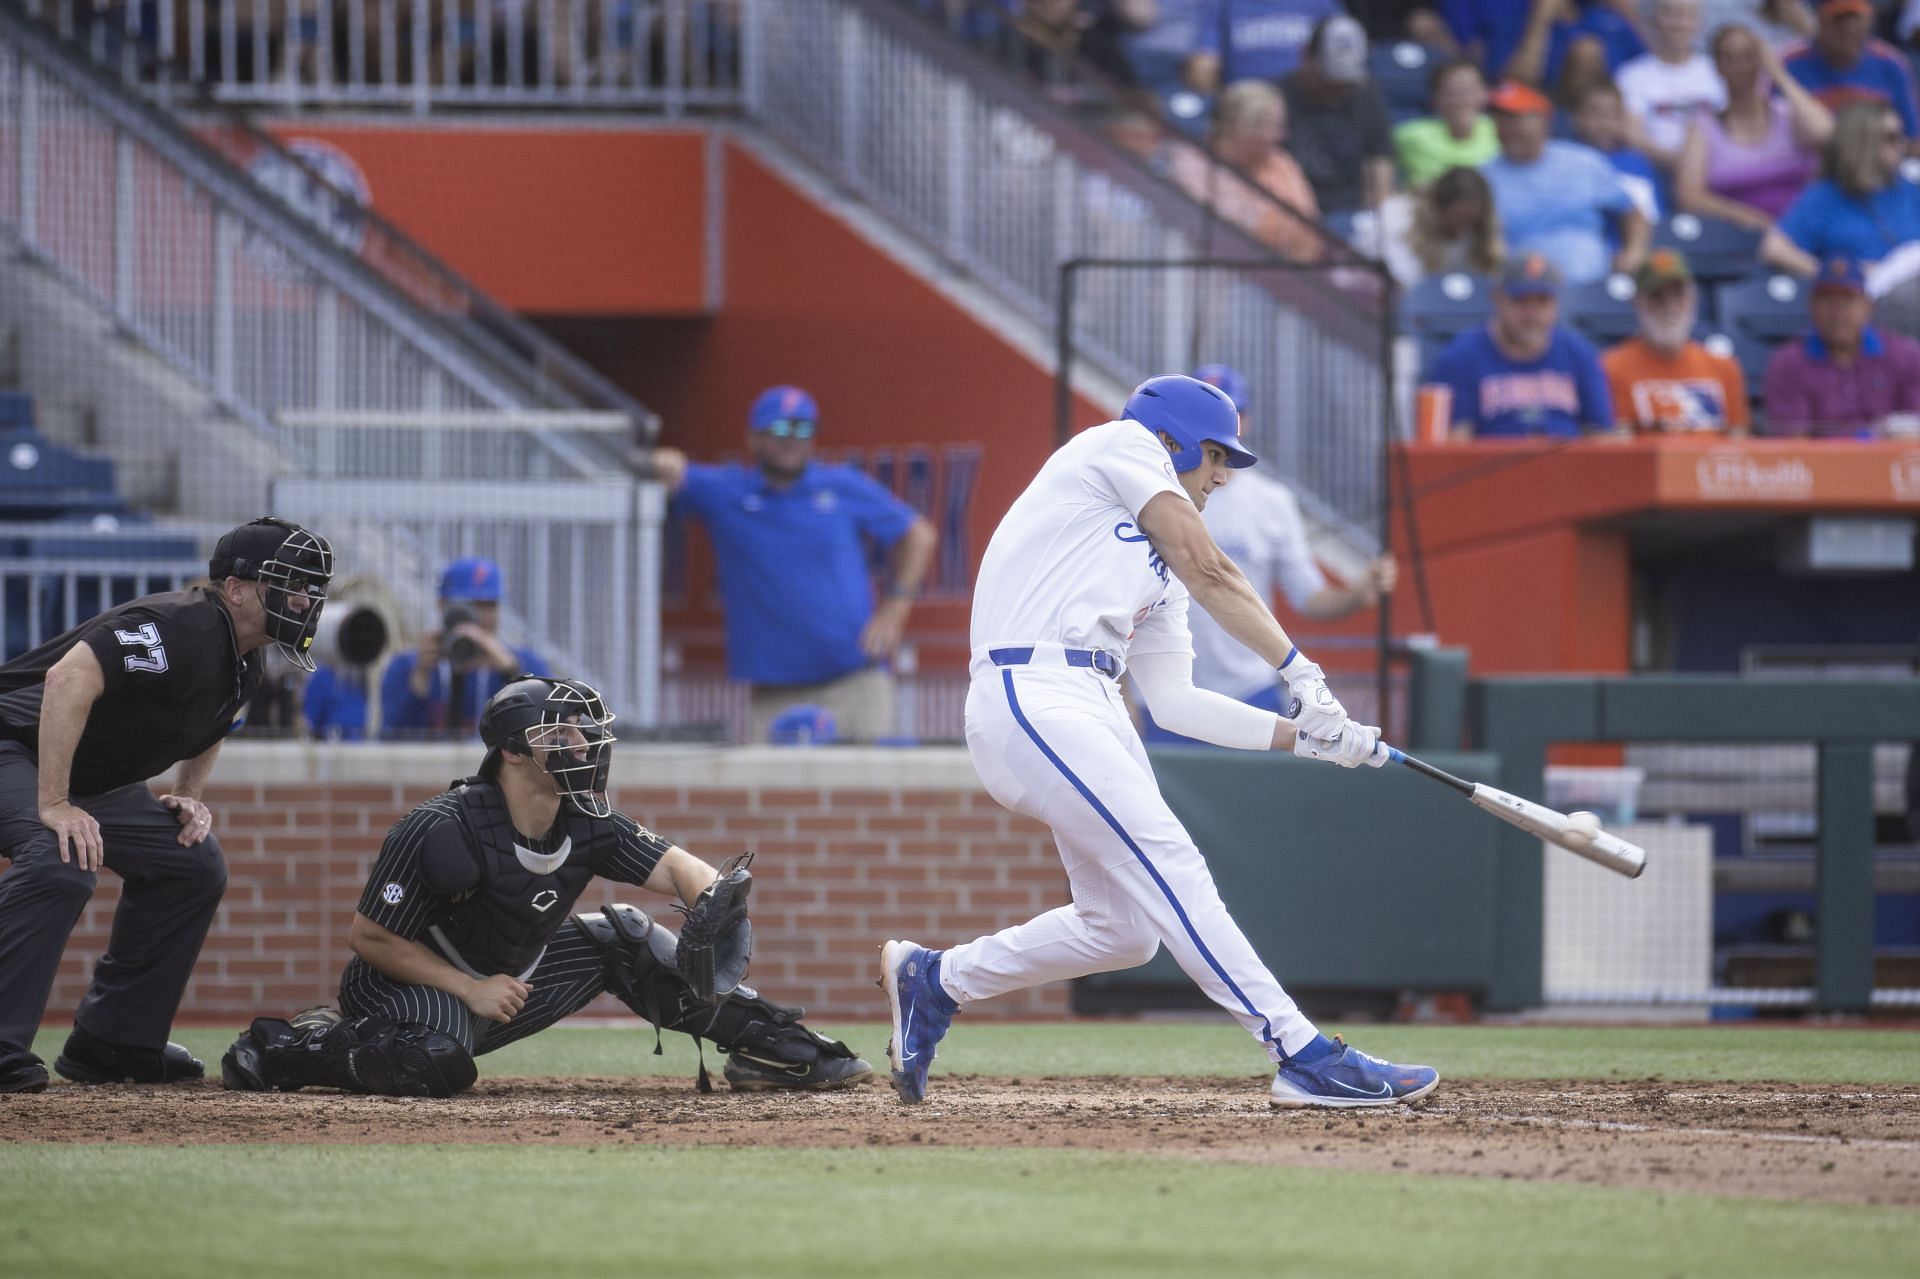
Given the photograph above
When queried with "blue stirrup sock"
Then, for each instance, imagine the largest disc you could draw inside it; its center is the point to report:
(941, 999)
(1320, 1047)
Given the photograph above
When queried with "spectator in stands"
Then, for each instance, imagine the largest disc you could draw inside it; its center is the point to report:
(1159, 49)
(790, 537)
(1559, 198)
(1600, 121)
(1862, 208)
(1496, 34)
(1450, 226)
(1266, 39)
(1249, 125)
(437, 690)
(1337, 125)
(1845, 64)
(1459, 132)
(1847, 377)
(1661, 379)
(1524, 373)
(1261, 530)
(1584, 66)
(1664, 88)
(1747, 162)
(1554, 27)
(1059, 31)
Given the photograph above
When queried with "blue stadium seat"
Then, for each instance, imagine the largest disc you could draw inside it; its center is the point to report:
(1715, 249)
(1401, 70)
(1440, 307)
(16, 411)
(1750, 353)
(1769, 306)
(1602, 310)
(47, 482)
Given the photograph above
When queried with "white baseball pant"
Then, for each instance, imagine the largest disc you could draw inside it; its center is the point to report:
(1054, 743)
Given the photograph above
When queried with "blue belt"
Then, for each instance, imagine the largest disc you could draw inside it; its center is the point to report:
(1092, 658)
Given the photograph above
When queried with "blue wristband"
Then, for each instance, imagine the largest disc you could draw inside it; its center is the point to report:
(1291, 654)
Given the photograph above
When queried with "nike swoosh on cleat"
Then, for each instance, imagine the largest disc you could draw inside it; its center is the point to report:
(906, 1036)
(1386, 1089)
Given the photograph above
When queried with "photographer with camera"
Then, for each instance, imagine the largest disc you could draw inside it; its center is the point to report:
(437, 690)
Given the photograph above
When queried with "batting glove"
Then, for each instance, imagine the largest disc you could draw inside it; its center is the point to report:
(1316, 711)
(1356, 744)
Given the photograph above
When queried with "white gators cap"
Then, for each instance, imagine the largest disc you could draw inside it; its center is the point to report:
(1341, 49)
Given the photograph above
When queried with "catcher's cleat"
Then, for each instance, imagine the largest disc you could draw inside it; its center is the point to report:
(25, 1074)
(88, 1059)
(1348, 1077)
(758, 1072)
(922, 1012)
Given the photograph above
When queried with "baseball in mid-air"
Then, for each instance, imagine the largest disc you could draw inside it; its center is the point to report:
(1582, 827)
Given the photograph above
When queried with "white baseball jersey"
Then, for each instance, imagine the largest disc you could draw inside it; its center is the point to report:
(1069, 564)
(1069, 568)
(1256, 521)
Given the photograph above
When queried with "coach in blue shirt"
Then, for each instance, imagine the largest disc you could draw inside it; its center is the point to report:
(1524, 373)
(790, 537)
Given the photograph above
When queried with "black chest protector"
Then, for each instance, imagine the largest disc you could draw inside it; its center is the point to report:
(503, 922)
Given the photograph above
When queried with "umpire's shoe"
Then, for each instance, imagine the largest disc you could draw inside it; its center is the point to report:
(921, 1010)
(88, 1059)
(23, 1073)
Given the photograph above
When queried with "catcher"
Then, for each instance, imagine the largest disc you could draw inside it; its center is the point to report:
(463, 941)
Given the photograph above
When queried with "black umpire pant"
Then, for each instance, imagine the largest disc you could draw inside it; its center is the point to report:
(167, 901)
(568, 976)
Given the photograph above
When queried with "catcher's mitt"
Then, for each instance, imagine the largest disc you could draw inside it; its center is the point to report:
(716, 939)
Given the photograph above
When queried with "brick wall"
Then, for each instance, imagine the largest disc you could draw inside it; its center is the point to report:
(854, 847)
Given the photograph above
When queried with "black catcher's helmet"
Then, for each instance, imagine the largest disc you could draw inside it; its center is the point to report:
(564, 723)
(289, 560)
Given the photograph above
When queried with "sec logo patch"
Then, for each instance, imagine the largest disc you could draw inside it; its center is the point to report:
(392, 894)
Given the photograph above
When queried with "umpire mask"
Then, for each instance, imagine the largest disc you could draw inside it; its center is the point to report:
(287, 560)
(565, 725)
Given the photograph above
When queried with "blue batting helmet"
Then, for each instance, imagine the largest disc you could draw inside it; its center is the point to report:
(1191, 412)
(1228, 379)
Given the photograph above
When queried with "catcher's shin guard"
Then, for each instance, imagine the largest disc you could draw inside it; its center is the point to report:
(768, 1046)
(365, 1055)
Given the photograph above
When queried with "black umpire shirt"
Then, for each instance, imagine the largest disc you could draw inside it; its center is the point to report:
(176, 683)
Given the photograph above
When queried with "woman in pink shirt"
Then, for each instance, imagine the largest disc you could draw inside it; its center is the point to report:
(1746, 164)
(1249, 125)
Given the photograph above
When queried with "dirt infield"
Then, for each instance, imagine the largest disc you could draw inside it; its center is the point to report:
(1833, 1143)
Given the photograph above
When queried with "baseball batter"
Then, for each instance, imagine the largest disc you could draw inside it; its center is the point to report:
(1091, 573)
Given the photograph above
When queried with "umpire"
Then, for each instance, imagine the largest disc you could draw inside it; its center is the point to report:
(85, 720)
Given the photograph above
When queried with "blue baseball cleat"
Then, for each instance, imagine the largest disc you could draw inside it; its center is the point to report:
(1349, 1077)
(921, 1014)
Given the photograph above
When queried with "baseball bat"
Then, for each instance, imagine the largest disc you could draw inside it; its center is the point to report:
(1583, 838)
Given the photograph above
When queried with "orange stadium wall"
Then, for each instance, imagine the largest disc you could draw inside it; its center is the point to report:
(846, 864)
(601, 235)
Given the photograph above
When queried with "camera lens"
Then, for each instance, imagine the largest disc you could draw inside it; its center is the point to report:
(460, 650)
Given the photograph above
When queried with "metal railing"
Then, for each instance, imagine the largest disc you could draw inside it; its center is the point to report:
(664, 55)
(1006, 184)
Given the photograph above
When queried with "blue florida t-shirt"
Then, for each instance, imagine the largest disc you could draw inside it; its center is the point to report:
(793, 565)
(1554, 395)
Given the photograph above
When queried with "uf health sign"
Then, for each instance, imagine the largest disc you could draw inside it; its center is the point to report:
(1790, 473)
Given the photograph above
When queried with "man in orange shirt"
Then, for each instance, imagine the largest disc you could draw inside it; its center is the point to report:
(1662, 380)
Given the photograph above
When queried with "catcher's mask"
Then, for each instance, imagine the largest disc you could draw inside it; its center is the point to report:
(561, 722)
(288, 560)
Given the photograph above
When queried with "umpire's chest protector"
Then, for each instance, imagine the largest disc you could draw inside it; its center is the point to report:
(506, 900)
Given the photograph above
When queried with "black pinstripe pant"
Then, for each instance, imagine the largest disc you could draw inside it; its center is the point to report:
(566, 979)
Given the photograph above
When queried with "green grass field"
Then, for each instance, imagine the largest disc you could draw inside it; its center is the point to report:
(1221, 1049)
(482, 1211)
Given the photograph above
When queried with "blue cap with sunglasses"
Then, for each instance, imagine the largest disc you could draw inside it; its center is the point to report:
(784, 410)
